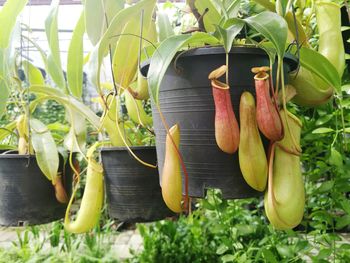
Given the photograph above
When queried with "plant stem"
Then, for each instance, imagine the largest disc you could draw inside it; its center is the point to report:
(227, 69)
(343, 121)
(197, 15)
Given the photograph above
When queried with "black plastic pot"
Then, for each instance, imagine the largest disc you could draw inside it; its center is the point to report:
(132, 189)
(186, 98)
(27, 197)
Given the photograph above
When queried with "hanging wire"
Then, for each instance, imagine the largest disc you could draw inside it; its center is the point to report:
(27, 109)
(141, 36)
(296, 39)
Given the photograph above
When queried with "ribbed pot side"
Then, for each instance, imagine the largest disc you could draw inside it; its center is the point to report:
(186, 98)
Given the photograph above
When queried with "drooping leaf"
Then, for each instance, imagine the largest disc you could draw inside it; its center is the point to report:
(126, 52)
(166, 52)
(8, 67)
(96, 14)
(164, 27)
(54, 67)
(270, 50)
(7, 147)
(229, 31)
(232, 8)
(45, 149)
(270, 6)
(7, 130)
(319, 65)
(33, 74)
(67, 101)
(8, 18)
(272, 27)
(115, 28)
(75, 59)
(75, 140)
(220, 7)
(281, 6)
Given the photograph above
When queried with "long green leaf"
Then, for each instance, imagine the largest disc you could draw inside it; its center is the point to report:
(75, 59)
(8, 67)
(54, 66)
(7, 130)
(8, 18)
(115, 28)
(127, 48)
(166, 52)
(96, 14)
(319, 65)
(164, 27)
(45, 149)
(68, 101)
(289, 19)
(220, 6)
(32, 73)
(272, 27)
(232, 8)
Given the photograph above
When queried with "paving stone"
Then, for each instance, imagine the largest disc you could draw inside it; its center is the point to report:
(8, 236)
(124, 237)
(135, 242)
(6, 244)
(121, 251)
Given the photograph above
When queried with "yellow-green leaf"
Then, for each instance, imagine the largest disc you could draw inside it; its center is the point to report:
(67, 101)
(8, 18)
(45, 149)
(54, 67)
(164, 27)
(75, 140)
(96, 14)
(115, 28)
(33, 74)
(75, 59)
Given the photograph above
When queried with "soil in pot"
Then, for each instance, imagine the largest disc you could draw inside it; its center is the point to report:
(132, 189)
(27, 197)
(186, 98)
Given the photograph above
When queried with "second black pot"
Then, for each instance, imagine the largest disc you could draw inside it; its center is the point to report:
(185, 98)
(27, 197)
(132, 189)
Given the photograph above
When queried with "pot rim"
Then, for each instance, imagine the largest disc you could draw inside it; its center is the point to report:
(23, 156)
(17, 156)
(123, 148)
(236, 49)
